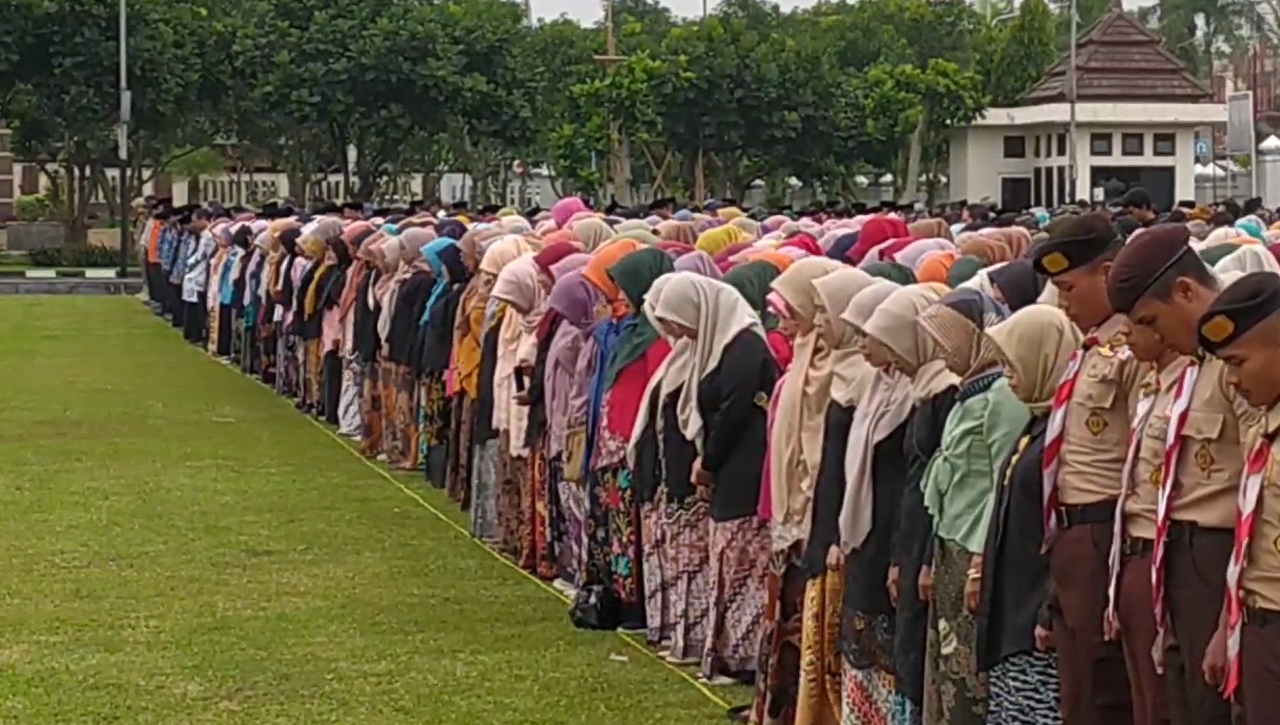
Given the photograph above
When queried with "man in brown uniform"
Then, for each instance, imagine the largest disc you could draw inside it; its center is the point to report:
(1241, 328)
(1085, 448)
(1197, 425)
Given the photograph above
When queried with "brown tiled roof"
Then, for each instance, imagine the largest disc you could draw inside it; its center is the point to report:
(1119, 60)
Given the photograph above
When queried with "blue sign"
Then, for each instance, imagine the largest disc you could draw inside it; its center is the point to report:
(1202, 148)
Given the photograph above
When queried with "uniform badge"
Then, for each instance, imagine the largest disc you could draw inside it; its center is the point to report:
(1276, 543)
(1218, 328)
(1156, 477)
(1204, 458)
(1106, 351)
(1055, 262)
(761, 399)
(1095, 423)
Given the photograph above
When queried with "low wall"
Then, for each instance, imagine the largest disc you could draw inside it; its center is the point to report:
(24, 237)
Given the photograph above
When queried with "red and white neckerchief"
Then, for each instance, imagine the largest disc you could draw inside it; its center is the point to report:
(1146, 404)
(1178, 408)
(1053, 437)
(1246, 513)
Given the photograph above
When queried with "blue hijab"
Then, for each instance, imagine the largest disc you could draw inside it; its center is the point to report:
(431, 253)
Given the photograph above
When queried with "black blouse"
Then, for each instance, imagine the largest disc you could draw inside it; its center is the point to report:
(646, 476)
(733, 401)
(1015, 574)
(483, 416)
(828, 495)
(404, 334)
(678, 453)
(364, 322)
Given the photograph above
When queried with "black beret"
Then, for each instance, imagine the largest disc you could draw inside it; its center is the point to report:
(1238, 309)
(1074, 242)
(1144, 260)
(353, 206)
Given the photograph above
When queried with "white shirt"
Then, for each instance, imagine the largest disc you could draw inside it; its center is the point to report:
(195, 280)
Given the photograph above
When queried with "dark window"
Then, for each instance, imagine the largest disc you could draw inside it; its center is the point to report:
(1037, 151)
(1164, 144)
(1099, 144)
(1063, 196)
(1015, 147)
(1037, 187)
(1131, 144)
(1062, 144)
(1015, 192)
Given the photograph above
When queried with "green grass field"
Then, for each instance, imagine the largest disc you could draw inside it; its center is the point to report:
(179, 546)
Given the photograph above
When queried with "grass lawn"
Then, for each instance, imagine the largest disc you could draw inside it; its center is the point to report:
(180, 547)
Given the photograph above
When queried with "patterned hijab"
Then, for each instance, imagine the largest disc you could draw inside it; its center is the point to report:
(958, 322)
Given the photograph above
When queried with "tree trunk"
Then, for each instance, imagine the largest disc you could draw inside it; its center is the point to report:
(909, 186)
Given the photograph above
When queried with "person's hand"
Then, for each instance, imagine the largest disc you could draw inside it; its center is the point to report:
(924, 583)
(973, 592)
(1110, 626)
(1215, 659)
(1044, 639)
(386, 350)
(699, 476)
(891, 583)
(835, 557)
(522, 398)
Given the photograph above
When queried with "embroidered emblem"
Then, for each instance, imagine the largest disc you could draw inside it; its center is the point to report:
(1276, 543)
(1095, 423)
(1204, 458)
(1106, 351)
(761, 400)
(1055, 262)
(1157, 475)
(1218, 328)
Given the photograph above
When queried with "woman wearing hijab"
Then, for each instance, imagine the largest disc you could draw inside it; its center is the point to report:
(477, 367)
(436, 345)
(1016, 284)
(712, 241)
(247, 257)
(631, 351)
(677, 231)
(368, 343)
(819, 699)
(719, 408)
(700, 263)
(752, 280)
(306, 318)
(288, 381)
(959, 486)
(592, 232)
(1036, 344)
(795, 453)
(895, 343)
(334, 282)
(357, 236)
(575, 301)
(220, 267)
(411, 287)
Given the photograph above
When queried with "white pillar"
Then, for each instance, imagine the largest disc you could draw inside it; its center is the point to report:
(1268, 171)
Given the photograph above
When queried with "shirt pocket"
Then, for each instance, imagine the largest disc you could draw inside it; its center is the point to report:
(1203, 455)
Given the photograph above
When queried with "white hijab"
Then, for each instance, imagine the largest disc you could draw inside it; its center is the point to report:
(670, 373)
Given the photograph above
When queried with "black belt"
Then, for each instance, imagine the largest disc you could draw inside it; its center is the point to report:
(1101, 512)
(1187, 530)
(1134, 547)
(1259, 617)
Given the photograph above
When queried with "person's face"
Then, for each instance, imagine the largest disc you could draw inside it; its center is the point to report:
(879, 355)
(1082, 295)
(1145, 343)
(1174, 321)
(1251, 364)
(1141, 214)
(965, 217)
(677, 331)
(545, 280)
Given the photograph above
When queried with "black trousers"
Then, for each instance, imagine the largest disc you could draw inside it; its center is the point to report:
(195, 320)
(177, 308)
(223, 339)
(331, 386)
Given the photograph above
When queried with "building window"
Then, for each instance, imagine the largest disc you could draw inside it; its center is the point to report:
(1015, 147)
(1099, 144)
(1064, 194)
(1037, 187)
(1037, 151)
(1062, 144)
(1164, 144)
(1131, 144)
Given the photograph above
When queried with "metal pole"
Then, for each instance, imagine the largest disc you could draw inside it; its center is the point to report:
(1073, 159)
(122, 140)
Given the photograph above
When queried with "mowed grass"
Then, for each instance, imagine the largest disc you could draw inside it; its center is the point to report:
(178, 546)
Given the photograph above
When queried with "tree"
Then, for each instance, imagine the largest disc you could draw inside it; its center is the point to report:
(1025, 48)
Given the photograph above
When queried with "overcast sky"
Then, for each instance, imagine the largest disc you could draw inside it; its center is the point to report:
(589, 11)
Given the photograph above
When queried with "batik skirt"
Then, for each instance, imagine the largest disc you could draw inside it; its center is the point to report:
(433, 429)
(778, 671)
(739, 571)
(818, 702)
(571, 546)
(955, 693)
(513, 503)
(868, 691)
(214, 320)
(349, 422)
(312, 372)
(1024, 690)
(267, 353)
(484, 493)
(371, 403)
(687, 531)
(238, 352)
(400, 418)
(539, 474)
(659, 621)
(623, 513)
(458, 475)
(289, 371)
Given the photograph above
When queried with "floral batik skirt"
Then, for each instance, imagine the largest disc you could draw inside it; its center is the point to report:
(778, 671)
(739, 571)
(1024, 690)
(371, 403)
(287, 358)
(623, 511)
(433, 429)
(458, 474)
(687, 529)
(484, 493)
(571, 546)
(511, 504)
(267, 353)
(818, 702)
(349, 419)
(400, 434)
(238, 348)
(955, 693)
(311, 375)
(544, 559)
(868, 684)
(659, 621)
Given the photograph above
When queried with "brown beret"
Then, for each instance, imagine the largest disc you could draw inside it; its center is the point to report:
(1074, 242)
(1238, 309)
(1144, 260)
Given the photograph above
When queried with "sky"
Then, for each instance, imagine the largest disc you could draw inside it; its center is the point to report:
(589, 11)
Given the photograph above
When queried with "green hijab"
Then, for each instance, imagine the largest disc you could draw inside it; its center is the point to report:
(752, 281)
(634, 274)
(1217, 253)
(963, 270)
(899, 274)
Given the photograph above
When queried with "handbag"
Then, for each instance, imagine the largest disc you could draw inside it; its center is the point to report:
(596, 606)
(575, 455)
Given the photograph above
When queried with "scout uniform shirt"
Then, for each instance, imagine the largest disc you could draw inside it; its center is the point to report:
(1096, 434)
(1260, 579)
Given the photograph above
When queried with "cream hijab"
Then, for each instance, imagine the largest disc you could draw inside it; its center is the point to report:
(670, 373)
(895, 324)
(1035, 343)
(886, 405)
(517, 284)
(795, 447)
(851, 374)
(719, 313)
(1246, 259)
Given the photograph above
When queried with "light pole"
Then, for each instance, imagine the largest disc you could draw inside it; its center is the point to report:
(1073, 158)
(122, 140)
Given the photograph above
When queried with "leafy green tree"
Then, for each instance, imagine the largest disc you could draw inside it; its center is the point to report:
(1024, 48)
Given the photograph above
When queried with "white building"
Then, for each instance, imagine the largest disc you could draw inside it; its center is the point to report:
(1137, 111)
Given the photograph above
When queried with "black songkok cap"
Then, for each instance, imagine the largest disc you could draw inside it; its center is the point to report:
(1238, 309)
(1073, 243)
(1143, 261)
(490, 209)
(459, 206)
(353, 206)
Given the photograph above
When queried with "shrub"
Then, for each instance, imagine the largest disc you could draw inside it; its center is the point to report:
(34, 208)
(90, 256)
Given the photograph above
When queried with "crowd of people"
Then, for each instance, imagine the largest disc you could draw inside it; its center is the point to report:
(888, 466)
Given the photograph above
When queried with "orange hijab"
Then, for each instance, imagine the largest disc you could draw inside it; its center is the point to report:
(936, 266)
(596, 271)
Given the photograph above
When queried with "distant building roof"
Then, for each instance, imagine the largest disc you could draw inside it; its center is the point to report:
(1119, 60)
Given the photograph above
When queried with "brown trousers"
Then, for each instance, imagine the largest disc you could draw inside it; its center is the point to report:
(1195, 567)
(1260, 667)
(1137, 635)
(1095, 685)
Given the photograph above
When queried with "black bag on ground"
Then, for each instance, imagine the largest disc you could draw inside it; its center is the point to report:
(595, 606)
